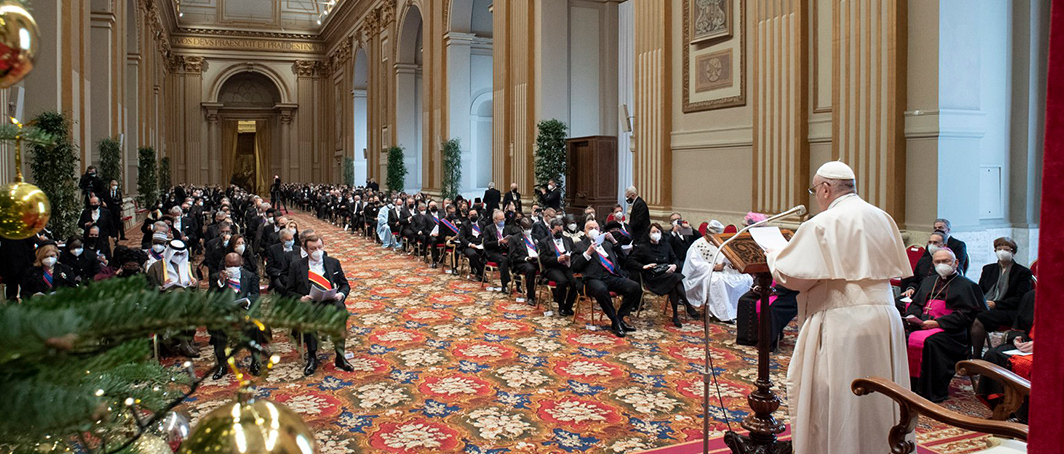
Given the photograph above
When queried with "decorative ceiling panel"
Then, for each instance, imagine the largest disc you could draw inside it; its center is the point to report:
(295, 16)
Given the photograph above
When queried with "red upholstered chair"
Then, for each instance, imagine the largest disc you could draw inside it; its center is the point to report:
(914, 253)
(730, 229)
(1034, 273)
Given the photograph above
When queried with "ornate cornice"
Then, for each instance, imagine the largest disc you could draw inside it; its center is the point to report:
(340, 56)
(246, 33)
(189, 64)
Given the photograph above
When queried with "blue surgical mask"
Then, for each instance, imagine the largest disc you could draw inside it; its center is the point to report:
(288, 244)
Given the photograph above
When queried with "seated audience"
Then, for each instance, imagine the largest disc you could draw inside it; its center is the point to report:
(602, 274)
(1003, 283)
(557, 262)
(957, 246)
(324, 273)
(523, 255)
(659, 268)
(496, 246)
(471, 243)
(719, 285)
(85, 266)
(1020, 338)
(242, 284)
(943, 308)
(47, 275)
(680, 237)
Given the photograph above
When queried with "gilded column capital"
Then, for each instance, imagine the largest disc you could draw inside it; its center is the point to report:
(307, 68)
(190, 64)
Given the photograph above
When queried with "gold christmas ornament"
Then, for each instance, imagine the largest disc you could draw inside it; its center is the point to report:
(19, 41)
(251, 426)
(151, 444)
(24, 210)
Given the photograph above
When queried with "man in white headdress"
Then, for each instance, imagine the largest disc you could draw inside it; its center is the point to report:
(173, 272)
(842, 261)
(721, 292)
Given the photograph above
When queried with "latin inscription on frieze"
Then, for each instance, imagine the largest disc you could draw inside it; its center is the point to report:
(251, 44)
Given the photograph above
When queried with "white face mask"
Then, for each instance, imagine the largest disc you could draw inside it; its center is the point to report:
(933, 248)
(1004, 255)
(269, 221)
(528, 233)
(550, 187)
(593, 234)
(233, 272)
(655, 237)
(158, 248)
(572, 227)
(77, 251)
(944, 270)
(240, 249)
(317, 255)
(619, 217)
(48, 262)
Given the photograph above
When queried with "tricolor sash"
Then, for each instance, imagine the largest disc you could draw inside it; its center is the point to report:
(606, 263)
(154, 255)
(318, 280)
(476, 230)
(528, 243)
(449, 225)
(233, 284)
(557, 250)
(49, 279)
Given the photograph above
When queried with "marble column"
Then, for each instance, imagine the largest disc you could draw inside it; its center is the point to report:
(652, 162)
(214, 142)
(288, 171)
(307, 75)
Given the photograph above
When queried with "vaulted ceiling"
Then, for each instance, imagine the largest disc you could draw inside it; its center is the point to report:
(286, 16)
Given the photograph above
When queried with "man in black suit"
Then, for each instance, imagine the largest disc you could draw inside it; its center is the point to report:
(17, 256)
(431, 232)
(551, 196)
(496, 246)
(640, 219)
(492, 197)
(604, 274)
(556, 256)
(276, 263)
(323, 272)
(957, 246)
(523, 255)
(113, 199)
(242, 284)
(681, 242)
(403, 223)
(90, 185)
(541, 228)
(513, 196)
(100, 217)
(450, 226)
(1003, 283)
(471, 243)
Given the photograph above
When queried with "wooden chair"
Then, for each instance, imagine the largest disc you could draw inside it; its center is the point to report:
(1017, 388)
(489, 268)
(912, 406)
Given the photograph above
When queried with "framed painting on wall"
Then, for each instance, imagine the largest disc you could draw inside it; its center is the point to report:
(714, 72)
(709, 19)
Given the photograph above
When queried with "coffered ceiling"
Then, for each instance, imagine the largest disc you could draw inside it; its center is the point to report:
(284, 16)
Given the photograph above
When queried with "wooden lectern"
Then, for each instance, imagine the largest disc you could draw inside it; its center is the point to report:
(748, 257)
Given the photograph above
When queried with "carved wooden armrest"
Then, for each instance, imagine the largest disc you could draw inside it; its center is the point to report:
(912, 406)
(1016, 388)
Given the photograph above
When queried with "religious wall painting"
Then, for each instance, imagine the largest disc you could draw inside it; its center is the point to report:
(714, 71)
(714, 50)
(709, 19)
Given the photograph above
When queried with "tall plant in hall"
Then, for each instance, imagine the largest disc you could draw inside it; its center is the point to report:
(110, 160)
(550, 152)
(54, 170)
(164, 174)
(452, 168)
(396, 177)
(147, 182)
(349, 171)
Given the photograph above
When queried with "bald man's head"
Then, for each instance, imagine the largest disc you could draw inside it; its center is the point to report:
(233, 259)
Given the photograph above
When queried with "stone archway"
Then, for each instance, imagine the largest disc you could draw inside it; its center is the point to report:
(410, 96)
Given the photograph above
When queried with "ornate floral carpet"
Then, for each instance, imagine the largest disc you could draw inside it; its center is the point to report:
(442, 366)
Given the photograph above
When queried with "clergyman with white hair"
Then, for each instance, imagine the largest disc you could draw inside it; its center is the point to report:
(717, 285)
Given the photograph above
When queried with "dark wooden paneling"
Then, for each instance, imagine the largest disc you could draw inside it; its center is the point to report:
(591, 177)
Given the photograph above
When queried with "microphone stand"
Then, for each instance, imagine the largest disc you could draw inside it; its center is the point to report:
(762, 426)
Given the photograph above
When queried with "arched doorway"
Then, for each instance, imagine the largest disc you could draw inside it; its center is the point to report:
(469, 76)
(248, 117)
(409, 96)
(361, 116)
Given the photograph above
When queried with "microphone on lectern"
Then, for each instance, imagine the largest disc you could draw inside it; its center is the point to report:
(796, 211)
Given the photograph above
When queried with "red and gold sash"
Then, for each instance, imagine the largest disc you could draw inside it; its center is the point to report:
(318, 280)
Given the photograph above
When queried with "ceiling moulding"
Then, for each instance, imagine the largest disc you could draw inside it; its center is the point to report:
(243, 33)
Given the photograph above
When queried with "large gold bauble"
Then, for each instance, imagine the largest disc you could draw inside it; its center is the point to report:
(255, 426)
(151, 444)
(24, 210)
(19, 41)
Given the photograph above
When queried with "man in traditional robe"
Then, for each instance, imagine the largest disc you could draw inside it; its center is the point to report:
(940, 315)
(841, 262)
(719, 286)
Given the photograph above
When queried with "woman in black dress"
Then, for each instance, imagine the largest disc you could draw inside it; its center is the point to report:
(47, 274)
(659, 265)
(239, 244)
(85, 266)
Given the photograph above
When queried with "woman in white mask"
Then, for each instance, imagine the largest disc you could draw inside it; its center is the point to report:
(240, 245)
(85, 266)
(659, 264)
(47, 274)
(1003, 284)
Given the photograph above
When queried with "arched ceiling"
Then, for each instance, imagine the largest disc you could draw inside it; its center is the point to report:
(275, 16)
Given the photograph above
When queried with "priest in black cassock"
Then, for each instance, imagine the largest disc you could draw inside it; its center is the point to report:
(943, 308)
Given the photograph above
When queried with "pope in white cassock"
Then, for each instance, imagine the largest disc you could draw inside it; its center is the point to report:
(719, 291)
(842, 261)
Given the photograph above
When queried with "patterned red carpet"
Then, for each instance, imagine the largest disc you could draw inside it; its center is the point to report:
(442, 366)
